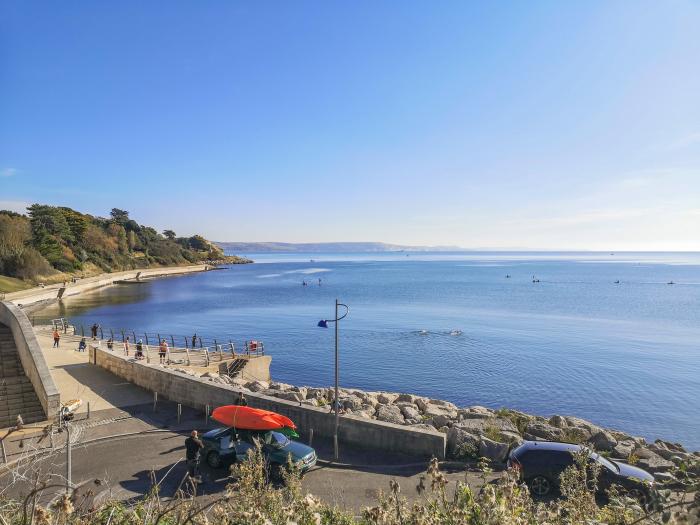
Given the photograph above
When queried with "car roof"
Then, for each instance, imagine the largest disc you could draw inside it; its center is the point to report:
(548, 445)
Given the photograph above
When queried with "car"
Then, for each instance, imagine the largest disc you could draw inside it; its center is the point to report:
(228, 445)
(540, 463)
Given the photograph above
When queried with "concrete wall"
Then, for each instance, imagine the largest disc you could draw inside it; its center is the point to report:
(31, 357)
(197, 392)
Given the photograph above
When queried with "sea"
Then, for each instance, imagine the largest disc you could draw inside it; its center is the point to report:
(610, 337)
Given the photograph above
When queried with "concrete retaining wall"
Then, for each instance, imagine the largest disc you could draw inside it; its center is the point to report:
(31, 357)
(197, 393)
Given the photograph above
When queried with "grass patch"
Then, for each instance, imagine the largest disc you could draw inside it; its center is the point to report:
(10, 284)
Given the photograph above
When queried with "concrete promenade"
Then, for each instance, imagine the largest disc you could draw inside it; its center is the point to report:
(50, 292)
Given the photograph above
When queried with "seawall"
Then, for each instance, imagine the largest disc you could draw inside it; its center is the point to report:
(199, 393)
(38, 295)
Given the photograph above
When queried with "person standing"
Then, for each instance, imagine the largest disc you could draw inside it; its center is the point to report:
(193, 446)
(93, 329)
(241, 401)
(163, 351)
(56, 337)
(126, 346)
(194, 340)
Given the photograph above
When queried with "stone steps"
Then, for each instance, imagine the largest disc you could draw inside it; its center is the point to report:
(17, 396)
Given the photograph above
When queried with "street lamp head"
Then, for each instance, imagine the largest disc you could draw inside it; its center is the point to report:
(323, 323)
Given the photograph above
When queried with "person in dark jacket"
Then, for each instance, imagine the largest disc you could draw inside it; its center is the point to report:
(193, 446)
(241, 400)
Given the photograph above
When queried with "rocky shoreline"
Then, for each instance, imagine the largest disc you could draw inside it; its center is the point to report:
(477, 431)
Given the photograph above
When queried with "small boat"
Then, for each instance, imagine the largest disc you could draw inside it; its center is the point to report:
(248, 418)
(617, 282)
(508, 276)
(670, 282)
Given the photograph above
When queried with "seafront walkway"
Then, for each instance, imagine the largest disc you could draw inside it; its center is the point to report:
(50, 292)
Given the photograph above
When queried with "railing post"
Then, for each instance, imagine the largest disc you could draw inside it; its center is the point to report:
(206, 414)
(155, 400)
(82, 331)
(186, 343)
(134, 334)
(145, 334)
(102, 335)
(148, 354)
(233, 351)
(172, 340)
(200, 342)
(123, 338)
(179, 412)
(206, 355)
(88, 410)
(187, 351)
(111, 335)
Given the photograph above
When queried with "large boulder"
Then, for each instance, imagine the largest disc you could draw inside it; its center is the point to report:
(493, 450)
(456, 437)
(274, 385)
(410, 412)
(406, 398)
(441, 420)
(537, 431)
(352, 403)
(386, 398)
(289, 395)
(390, 414)
(603, 441)
(256, 386)
(653, 462)
(315, 393)
(623, 449)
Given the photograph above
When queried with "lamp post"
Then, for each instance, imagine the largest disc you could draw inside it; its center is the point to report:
(323, 323)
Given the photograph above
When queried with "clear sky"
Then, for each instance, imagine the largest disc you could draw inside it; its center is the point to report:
(480, 124)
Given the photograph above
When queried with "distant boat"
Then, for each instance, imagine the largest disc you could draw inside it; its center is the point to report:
(508, 276)
(535, 279)
(617, 282)
(311, 260)
(670, 282)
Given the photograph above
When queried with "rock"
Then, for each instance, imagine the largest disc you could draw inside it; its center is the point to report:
(289, 395)
(441, 420)
(603, 441)
(312, 402)
(456, 437)
(433, 411)
(584, 428)
(468, 414)
(654, 463)
(315, 393)
(256, 386)
(558, 421)
(542, 431)
(480, 426)
(352, 403)
(274, 385)
(669, 450)
(210, 374)
(675, 447)
(410, 412)
(421, 403)
(664, 477)
(423, 426)
(301, 389)
(443, 404)
(493, 450)
(365, 413)
(623, 449)
(386, 398)
(406, 398)
(390, 414)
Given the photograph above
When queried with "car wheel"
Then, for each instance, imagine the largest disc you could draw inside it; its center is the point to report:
(540, 486)
(214, 459)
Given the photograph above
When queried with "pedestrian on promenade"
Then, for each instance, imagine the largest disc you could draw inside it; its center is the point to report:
(82, 345)
(194, 340)
(163, 351)
(139, 349)
(110, 344)
(56, 337)
(93, 329)
(241, 400)
(193, 446)
(126, 346)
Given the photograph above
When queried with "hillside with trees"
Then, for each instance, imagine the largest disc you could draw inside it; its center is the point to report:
(53, 240)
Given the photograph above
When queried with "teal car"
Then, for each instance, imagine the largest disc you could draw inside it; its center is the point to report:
(227, 445)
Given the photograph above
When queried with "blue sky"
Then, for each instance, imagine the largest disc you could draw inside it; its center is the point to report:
(494, 124)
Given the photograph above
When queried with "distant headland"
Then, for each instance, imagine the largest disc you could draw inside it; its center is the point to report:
(328, 247)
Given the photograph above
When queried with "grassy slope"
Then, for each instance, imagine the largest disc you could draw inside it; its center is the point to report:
(10, 284)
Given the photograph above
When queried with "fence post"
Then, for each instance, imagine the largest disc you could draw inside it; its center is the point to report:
(102, 335)
(88, 407)
(82, 331)
(172, 340)
(123, 338)
(145, 334)
(2, 449)
(206, 414)
(155, 400)
(200, 342)
(134, 334)
(186, 344)
(206, 355)
(233, 352)
(311, 436)
(179, 412)
(111, 334)
(148, 354)
(187, 351)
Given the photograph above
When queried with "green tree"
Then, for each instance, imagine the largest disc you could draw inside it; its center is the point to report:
(119, 216)
(169, 234)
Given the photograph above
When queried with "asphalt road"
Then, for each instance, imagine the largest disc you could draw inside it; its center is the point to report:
(123, 468)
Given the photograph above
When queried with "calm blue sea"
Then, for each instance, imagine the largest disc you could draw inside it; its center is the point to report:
(453, 326)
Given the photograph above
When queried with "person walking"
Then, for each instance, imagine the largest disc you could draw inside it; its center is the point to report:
(126, 346)
(193, 446)
(94, 329)
(56, 337)
(163, 351)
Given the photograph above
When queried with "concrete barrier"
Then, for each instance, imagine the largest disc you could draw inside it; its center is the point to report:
(198, 393)
(31, 357)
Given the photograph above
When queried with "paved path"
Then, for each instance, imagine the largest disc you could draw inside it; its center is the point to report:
(75, 377)
(123, 464)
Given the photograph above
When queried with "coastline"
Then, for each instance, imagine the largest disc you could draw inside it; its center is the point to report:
(34, 299)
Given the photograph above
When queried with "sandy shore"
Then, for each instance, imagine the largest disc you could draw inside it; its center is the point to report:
(38, 295)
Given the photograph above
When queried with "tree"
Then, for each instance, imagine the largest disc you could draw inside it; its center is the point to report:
(169, 234)
(119, 216)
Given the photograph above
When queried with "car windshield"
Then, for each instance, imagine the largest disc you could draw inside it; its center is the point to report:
(604, 461)
(277, 440)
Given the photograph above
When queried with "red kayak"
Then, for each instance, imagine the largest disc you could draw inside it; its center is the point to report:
(248, 418)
